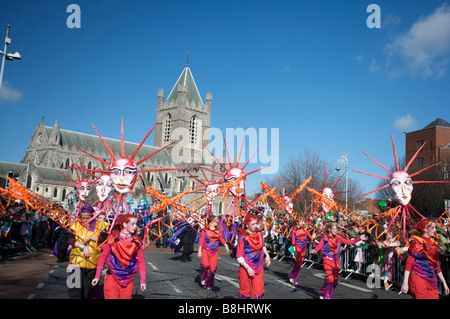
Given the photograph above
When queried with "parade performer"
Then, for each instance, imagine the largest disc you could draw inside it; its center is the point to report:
(208, 251)
(84, 240)
(250, 252)
(330, 245)
(124, 256)
(422, 264)
(300, 238)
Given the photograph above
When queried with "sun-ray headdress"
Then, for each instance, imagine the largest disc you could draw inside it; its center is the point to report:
(405, 210)
(124, 166)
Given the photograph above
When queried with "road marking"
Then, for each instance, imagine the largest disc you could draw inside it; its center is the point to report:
(286, 284)
(345, 284)
(228, 279)
(171, 284)
(153, 266)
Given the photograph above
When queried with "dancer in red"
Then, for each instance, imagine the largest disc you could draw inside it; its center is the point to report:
(250, 252)
(422, 265)
(330, 245)
(124, 256)
(300, 238)
(208, 252)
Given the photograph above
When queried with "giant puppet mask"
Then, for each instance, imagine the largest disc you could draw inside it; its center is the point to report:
(402, 186)
(123, 173)
(233, 173)
(328, 193)
(83, 188)
(211, 193)
(288, 204)
(104, 186)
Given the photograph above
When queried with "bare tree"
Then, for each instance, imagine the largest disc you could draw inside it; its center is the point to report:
(306, 164)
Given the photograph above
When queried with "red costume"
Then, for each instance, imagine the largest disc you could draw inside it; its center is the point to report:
(124, 256)
(299, 240)
(209, 241)
(331, 246)
(423, 265)
(250, 249)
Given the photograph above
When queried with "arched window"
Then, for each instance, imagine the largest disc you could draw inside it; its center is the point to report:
(29, 180)
(167, 126)
(64, 194)
(193, 130)
(55, 192)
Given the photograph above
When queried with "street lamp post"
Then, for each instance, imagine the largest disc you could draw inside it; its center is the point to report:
(7, 56)
(343, 160)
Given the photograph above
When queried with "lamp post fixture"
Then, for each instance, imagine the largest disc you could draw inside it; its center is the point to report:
(7, 56)
(343, 160)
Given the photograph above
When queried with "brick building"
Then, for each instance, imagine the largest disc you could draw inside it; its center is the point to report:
(436, 135)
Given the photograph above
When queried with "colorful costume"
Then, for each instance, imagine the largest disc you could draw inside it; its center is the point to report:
(423, 264)
(209, 241)
(250, 249)
(331, 247)
(124, 256)
(92, 236)
(299, 241)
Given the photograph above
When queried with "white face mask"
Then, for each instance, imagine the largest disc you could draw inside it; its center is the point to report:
(123, 173)
(328, 193)
(289, 205)
(83, 188)
(234, 173)
(402, 186)
(104, 187)
(211, 193)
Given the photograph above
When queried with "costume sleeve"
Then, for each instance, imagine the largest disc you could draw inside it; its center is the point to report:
(319, 246)
(141, 259)
(240, 249)
(202, 238)
(106, 249)
(71, 239)
(350, 241)
(222, 239)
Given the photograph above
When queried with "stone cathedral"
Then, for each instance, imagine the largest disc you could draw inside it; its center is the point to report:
(182, 118)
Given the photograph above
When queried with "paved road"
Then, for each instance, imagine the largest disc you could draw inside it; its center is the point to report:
(38, 275)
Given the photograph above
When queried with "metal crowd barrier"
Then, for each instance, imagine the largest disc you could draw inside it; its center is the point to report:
(390, 275)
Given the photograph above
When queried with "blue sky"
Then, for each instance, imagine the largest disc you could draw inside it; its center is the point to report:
(313, 69)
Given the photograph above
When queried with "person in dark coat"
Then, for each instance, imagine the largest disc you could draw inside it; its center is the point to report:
(187, 237)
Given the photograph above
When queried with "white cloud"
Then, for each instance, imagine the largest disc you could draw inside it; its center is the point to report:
(10, 94)
(425, 48)
(405, 123)
(373, 66)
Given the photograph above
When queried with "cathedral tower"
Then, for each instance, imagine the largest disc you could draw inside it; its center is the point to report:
(184, 119)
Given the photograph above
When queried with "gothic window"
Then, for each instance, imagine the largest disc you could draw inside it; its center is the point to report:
(89, 166)
(29, 180)
(55, 192)
(167, 127)
(193, 130)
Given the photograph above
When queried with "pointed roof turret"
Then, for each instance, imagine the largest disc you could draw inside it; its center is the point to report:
(186, 81)
(55, 134)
